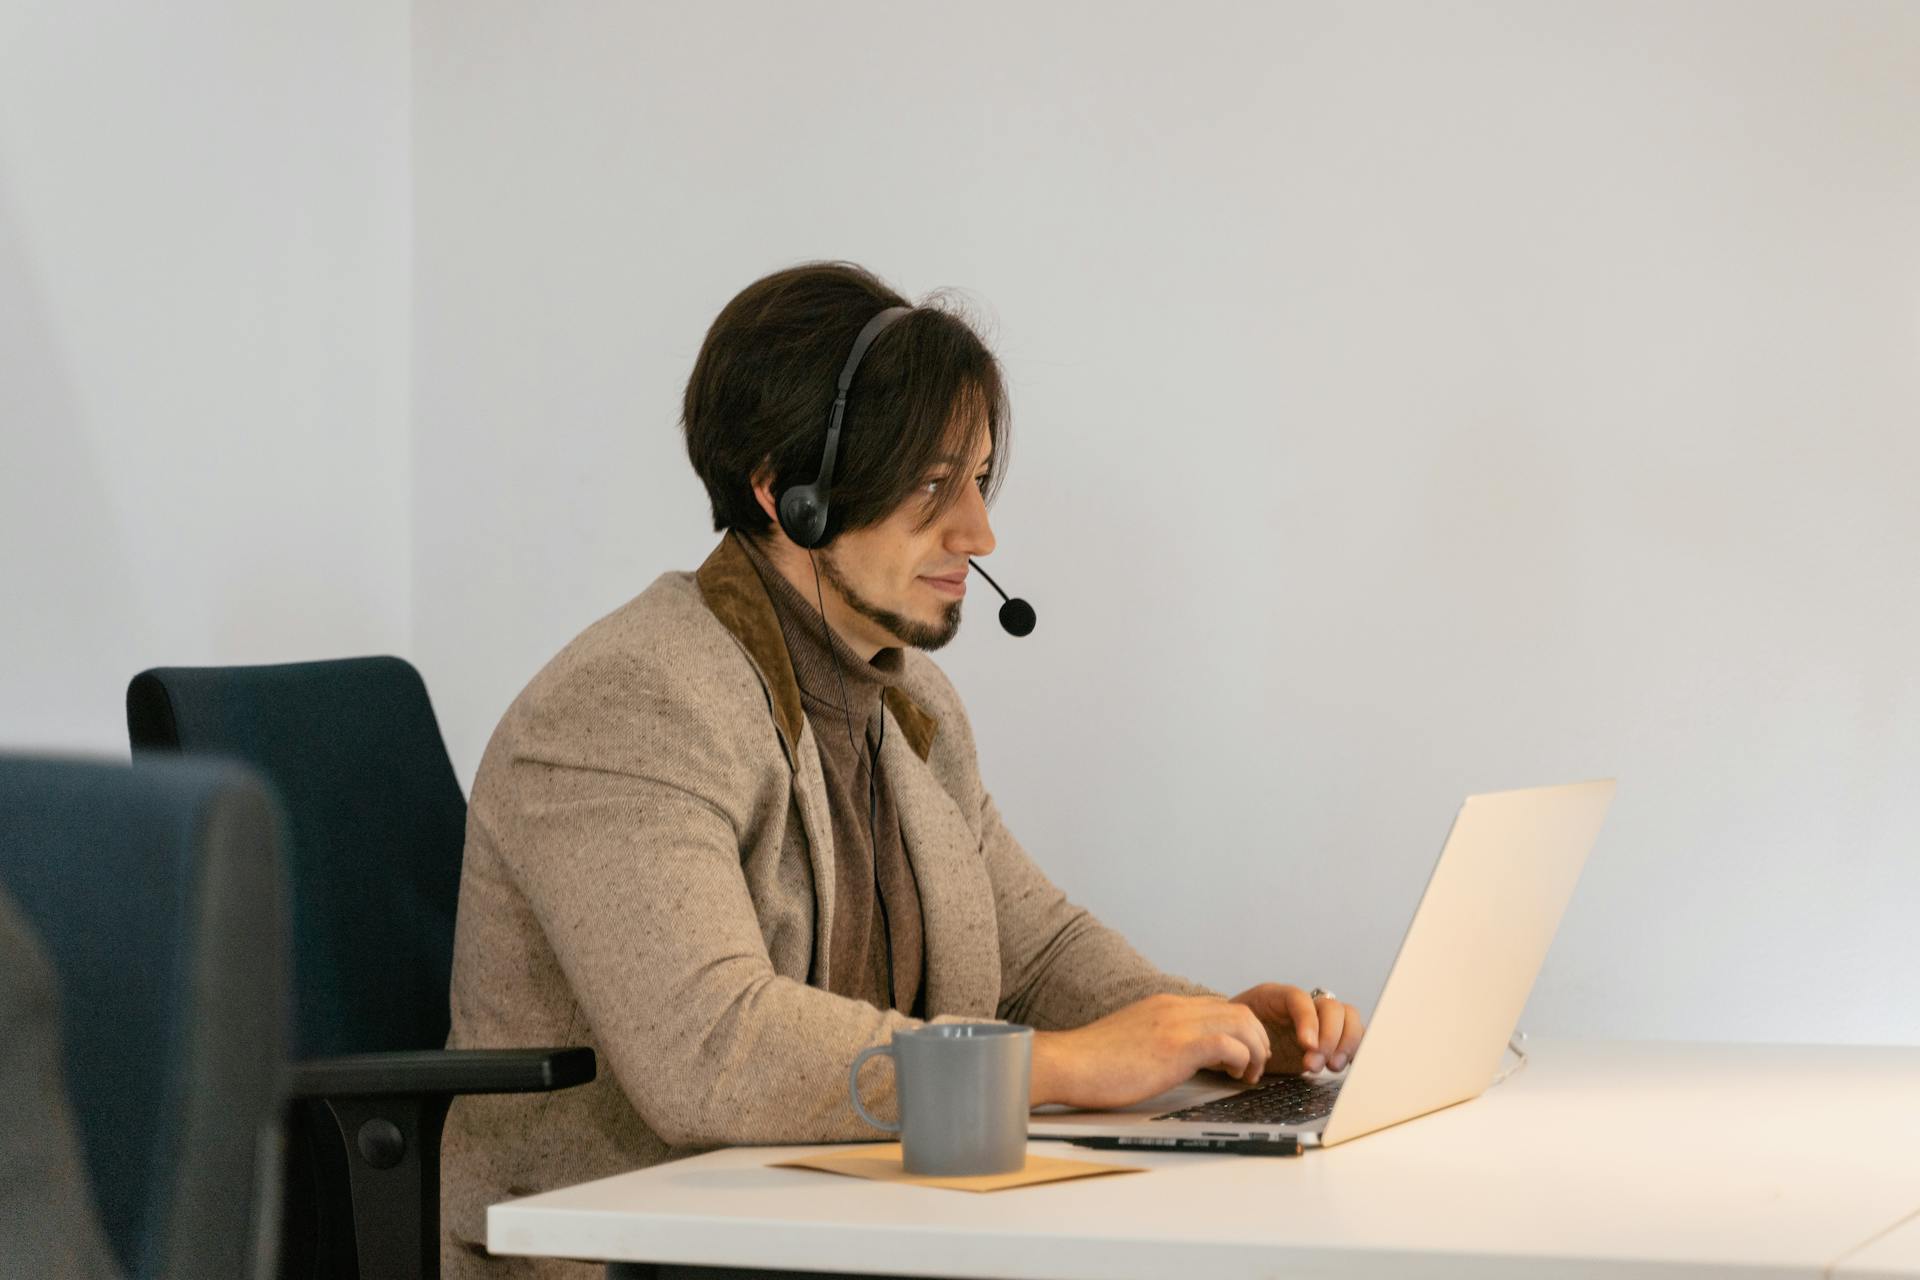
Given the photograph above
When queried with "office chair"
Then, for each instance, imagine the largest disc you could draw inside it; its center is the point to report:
(152, 899)
(376, 829)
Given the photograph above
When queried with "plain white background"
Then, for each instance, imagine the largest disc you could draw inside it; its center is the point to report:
(1410, 400)
(204, 302)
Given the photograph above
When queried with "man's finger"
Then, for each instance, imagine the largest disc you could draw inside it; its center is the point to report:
(1240, 1024)
(1333, 1020)
(1350, 1037)
(1255, 1032)
(1230, 1053)
(1253, 1010)
(1256, 1029)
(1306, 1020)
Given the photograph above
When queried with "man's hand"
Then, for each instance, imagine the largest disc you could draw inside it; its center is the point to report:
(1307, 1035)
(1147, 1048)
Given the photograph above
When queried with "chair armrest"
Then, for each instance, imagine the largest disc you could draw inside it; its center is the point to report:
(388, 1109)
(442, 1071)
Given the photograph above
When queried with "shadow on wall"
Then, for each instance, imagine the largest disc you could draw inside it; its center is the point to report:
(71, 609)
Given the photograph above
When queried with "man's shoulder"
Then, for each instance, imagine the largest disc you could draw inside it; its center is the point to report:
(669, 618)
(661, 659)
(666, 628)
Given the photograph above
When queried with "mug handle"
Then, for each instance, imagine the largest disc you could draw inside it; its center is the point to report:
(853, 1084)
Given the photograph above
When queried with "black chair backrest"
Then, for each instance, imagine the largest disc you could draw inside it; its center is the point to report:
(376, 823)
(158, 895)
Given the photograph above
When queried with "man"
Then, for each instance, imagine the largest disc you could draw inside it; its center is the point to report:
(735, 832)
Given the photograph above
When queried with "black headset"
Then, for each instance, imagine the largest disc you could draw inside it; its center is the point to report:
(803, 508)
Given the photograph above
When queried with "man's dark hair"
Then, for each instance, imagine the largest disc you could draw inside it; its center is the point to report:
(764, 383)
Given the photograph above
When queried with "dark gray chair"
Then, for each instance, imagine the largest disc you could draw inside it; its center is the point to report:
(155, 896)
(377, 825)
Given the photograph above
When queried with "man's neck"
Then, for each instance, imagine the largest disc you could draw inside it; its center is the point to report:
(792, 563)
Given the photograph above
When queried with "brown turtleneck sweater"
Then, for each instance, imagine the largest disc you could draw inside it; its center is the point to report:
(863, 918)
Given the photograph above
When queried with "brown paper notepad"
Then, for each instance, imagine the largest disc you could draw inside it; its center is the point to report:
(883, 1164)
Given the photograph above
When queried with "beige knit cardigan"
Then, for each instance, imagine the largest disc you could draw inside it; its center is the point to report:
(649, 871)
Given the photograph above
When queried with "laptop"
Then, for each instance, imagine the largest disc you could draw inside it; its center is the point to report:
(1450, 1006)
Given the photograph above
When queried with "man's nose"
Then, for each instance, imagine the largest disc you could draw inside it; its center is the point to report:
(972, 533)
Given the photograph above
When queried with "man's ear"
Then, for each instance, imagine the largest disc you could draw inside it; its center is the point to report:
(762, 482)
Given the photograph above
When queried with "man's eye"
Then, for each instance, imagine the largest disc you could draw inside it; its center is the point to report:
(932, 486)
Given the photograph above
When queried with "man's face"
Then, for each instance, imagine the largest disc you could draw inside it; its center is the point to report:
(902, 585)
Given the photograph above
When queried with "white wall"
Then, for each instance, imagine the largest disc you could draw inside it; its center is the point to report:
(204, 292)
(1411, 400)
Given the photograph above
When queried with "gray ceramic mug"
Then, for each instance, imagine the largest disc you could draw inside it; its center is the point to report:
(963, 1096)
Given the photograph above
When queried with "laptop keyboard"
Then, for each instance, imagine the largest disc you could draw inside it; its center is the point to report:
(1285, 1100)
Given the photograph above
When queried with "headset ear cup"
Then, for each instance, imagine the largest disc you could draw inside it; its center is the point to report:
(802, 516)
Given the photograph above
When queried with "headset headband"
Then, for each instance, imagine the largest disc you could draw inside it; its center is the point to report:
(803, 508)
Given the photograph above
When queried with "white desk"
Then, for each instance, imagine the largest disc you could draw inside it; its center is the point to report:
(1598, 1158)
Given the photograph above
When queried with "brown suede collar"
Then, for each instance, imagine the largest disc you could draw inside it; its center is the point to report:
(738, 598)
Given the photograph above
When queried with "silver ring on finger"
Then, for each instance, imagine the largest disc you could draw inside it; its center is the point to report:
(1321, 993)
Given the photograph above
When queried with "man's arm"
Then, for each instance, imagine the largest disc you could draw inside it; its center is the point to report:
(1059, 966)
(1109, 1027)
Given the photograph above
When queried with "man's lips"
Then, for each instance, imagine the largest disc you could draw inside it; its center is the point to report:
(956, 584)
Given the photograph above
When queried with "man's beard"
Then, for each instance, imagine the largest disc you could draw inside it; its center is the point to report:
(917, 635)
